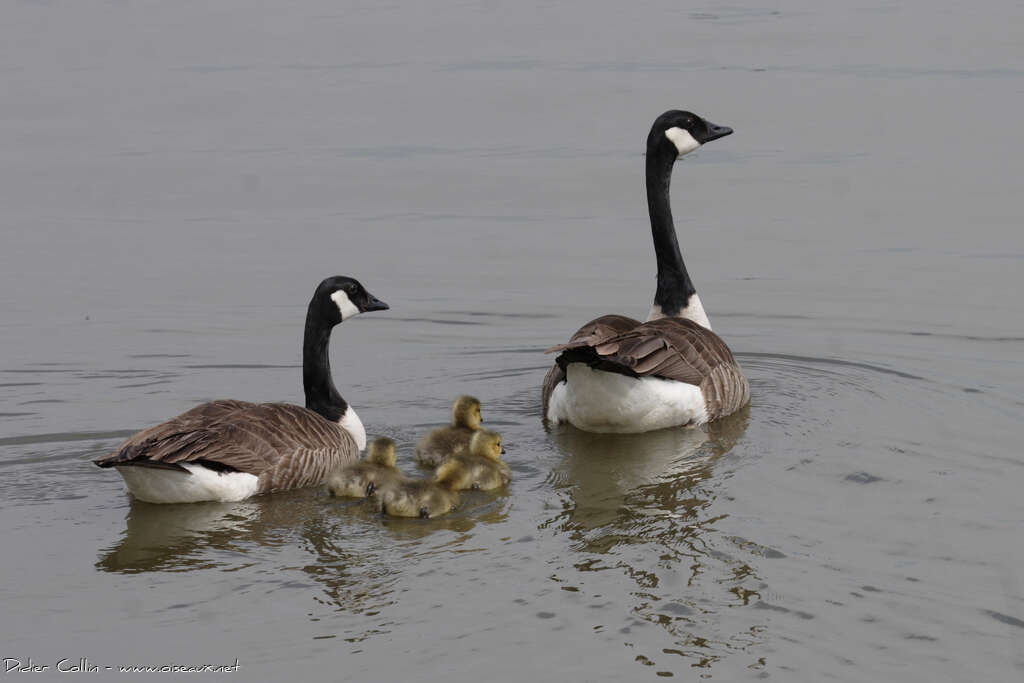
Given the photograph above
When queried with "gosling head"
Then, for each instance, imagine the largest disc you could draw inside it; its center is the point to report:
(677, 133)
(486, 444)
(466, 412)
(381, 452)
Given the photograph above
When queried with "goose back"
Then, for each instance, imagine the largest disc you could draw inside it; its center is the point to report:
(676, 349)
(285, 446)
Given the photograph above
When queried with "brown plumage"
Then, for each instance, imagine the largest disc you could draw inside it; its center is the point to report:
(285, 446)
(441, 443)
(372, 474)
(422, 497)
(482, 467)
(676, 349)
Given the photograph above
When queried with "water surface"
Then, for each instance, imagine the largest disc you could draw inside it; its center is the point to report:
(177, 178)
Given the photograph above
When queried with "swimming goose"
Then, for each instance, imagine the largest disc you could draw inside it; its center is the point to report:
(422, 497)
(482, 467)
(616, 374)
(434, 448)
(372, 473)
(229, 450)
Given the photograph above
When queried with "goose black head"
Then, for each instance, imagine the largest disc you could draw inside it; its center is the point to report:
(681, 132)
(339, 298)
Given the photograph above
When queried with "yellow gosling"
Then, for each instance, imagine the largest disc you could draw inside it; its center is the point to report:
(482, 468)
(444, 442)
(422, 497)
(373, 473)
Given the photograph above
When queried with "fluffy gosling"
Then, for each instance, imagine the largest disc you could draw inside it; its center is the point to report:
(374, 472)
(422, 497)
(444, 442)
(481, 468)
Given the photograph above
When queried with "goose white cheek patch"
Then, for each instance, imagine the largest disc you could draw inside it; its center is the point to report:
(345, 305)
(682, 139)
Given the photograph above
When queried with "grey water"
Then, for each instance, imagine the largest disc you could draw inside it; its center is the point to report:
(177, 177)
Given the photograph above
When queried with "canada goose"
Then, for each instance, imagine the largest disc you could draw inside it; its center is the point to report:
(482, 467)
(434, 448)
(617, 374)
(422, 497)
(229, 450)
(374, 472)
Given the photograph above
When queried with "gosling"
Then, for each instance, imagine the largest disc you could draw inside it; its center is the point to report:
(481, 468)
(374, 472)
(444, 442)
(422, 497)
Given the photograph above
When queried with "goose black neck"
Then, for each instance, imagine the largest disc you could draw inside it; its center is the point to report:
(321, 395)
(674, 285)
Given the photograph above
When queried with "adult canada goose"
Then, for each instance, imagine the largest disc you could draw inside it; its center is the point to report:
(617, 374)
(434, 448)
(482, 468)
(422, 497)
(374, 472)
(229, 450)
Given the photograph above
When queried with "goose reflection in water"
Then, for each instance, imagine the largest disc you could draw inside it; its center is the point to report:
(613, 478)
(181, 537)
(339, 540)
(631, 497)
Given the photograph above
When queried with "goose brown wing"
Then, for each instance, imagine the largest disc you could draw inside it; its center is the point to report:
(204, 414)
(671, 348)
(594, 332)
(286, 446)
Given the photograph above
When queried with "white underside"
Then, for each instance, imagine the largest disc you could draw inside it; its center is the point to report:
(155, 485)
(598, 401)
